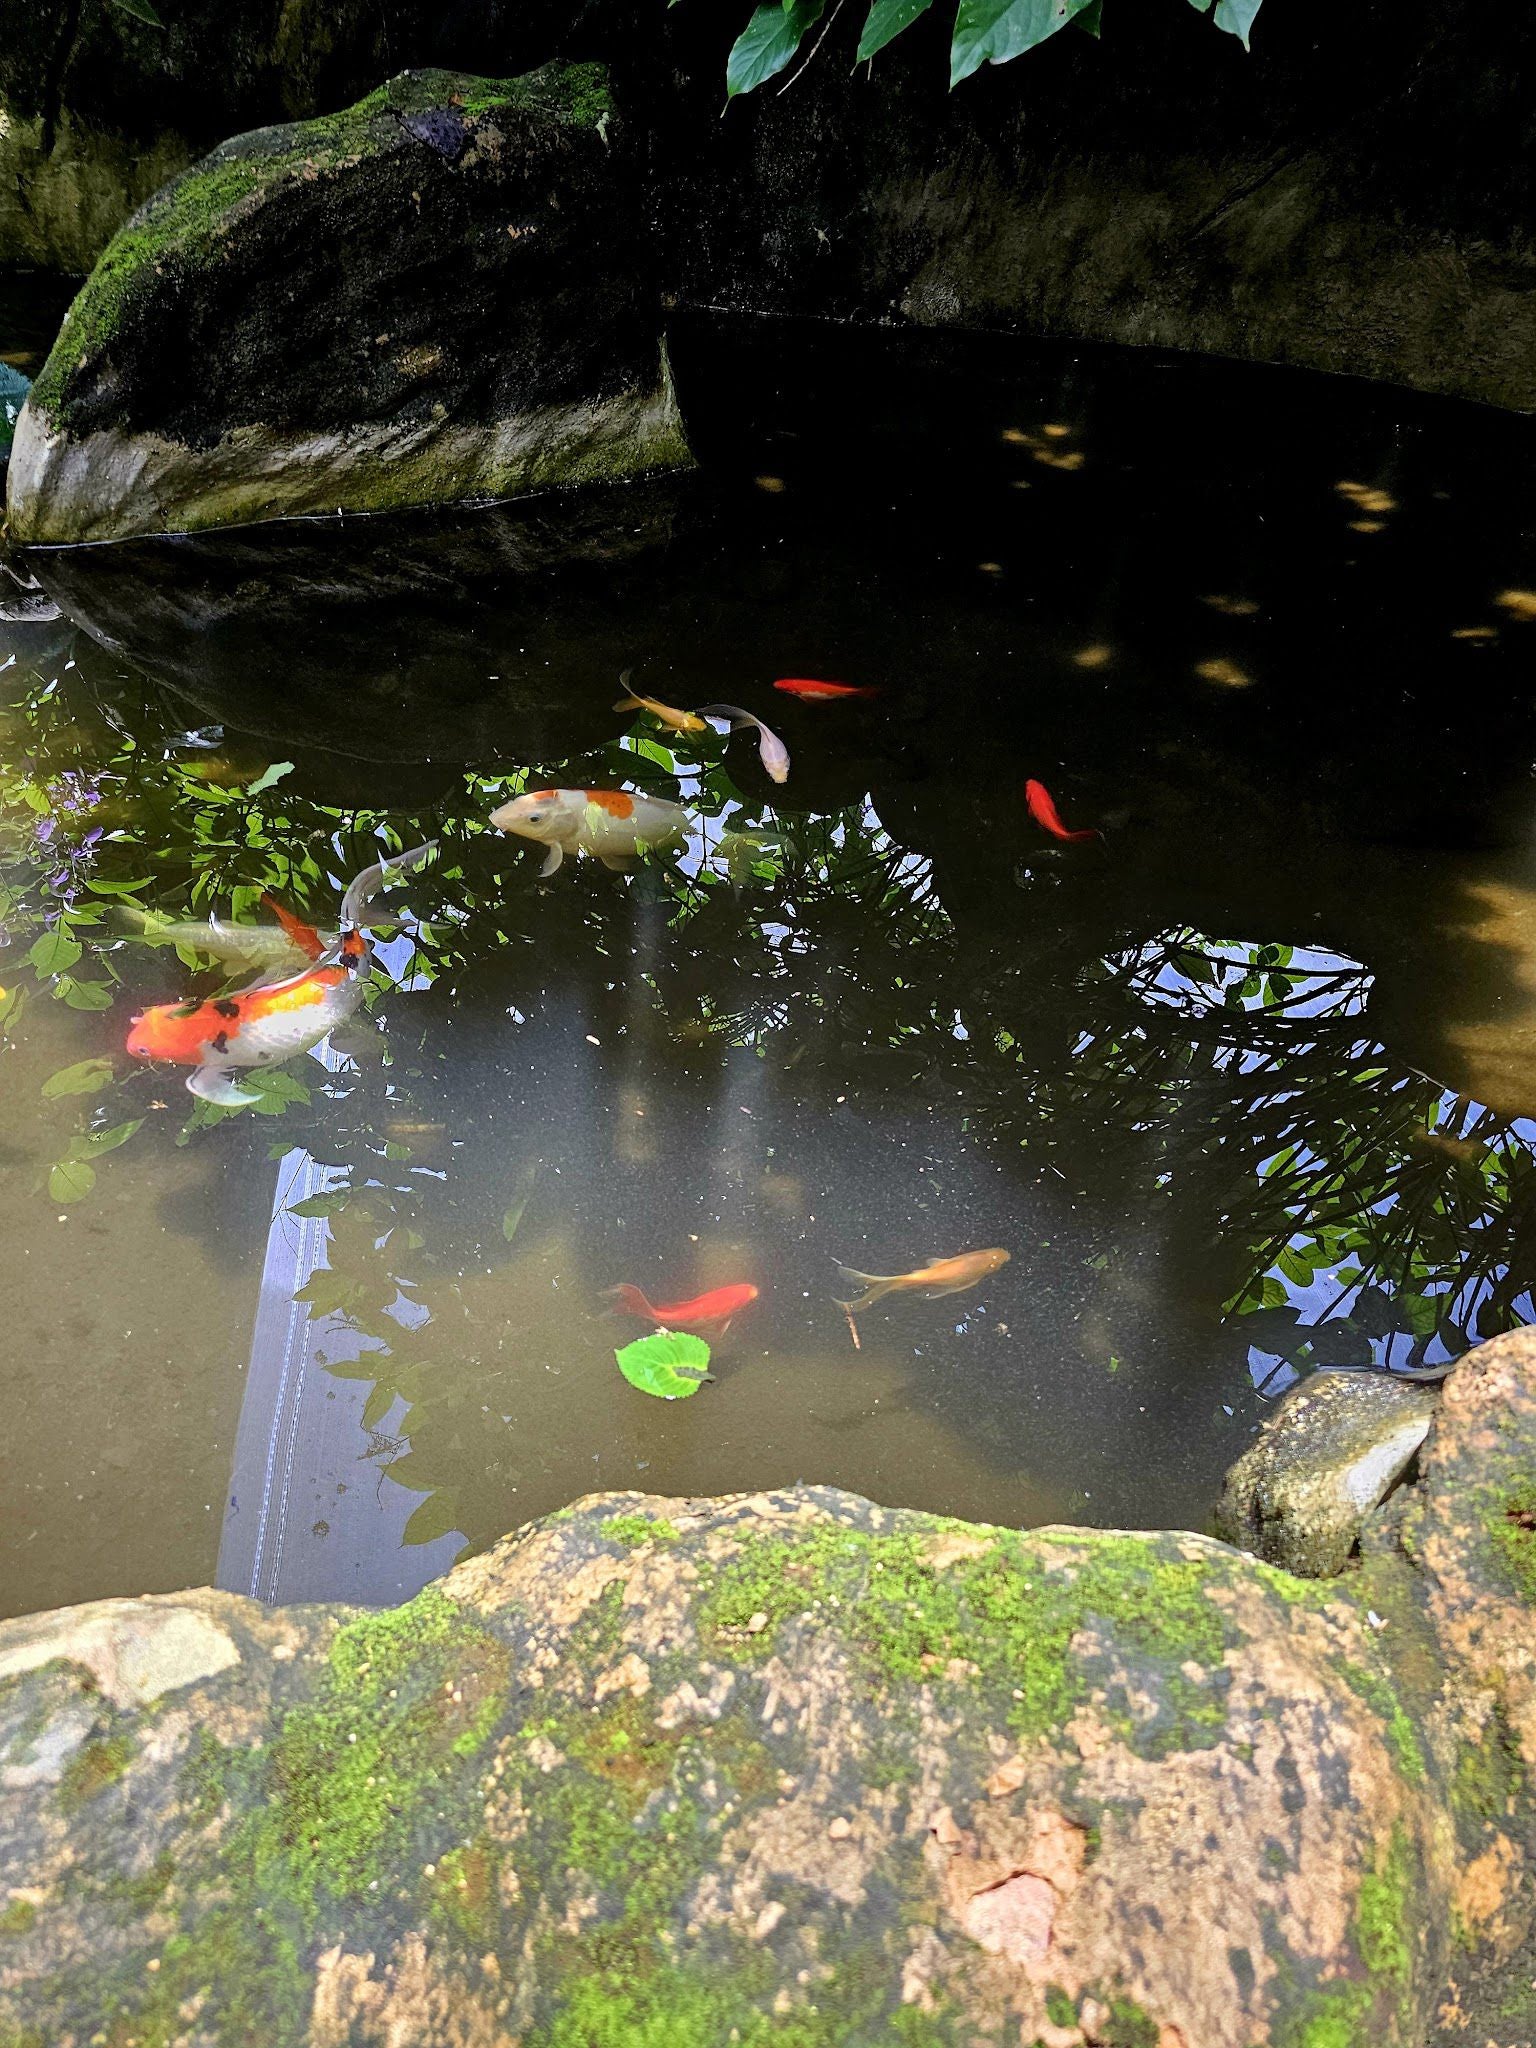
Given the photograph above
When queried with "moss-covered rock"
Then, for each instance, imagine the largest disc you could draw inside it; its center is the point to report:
(788, 1767)
(441, 293)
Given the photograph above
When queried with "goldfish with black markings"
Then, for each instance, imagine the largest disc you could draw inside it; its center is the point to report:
(269, 1021)
(939, 1276)
(612, 824)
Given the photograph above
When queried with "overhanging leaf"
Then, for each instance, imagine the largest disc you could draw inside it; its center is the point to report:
(1091, 20)
(995, 31)
(270, 775)
(768, 42)
(886, 20)
(83, 1078)
(670, 1363)
(1236, 17)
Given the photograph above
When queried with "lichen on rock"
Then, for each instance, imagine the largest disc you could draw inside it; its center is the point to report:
(441, 293)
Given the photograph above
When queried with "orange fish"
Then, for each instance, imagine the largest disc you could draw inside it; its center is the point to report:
(1042, 809)
(304, 936)
(269, 1021)
(939, 1276)
(823, 693)
(718, 1306)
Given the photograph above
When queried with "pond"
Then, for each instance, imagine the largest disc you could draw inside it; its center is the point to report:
(1243, 1085)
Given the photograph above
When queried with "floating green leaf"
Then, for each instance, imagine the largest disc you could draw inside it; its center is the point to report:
(435, 1517)
(70, 1180)
(768, 42)
(669, 1363)
(84, 995)
(277, 770)
(141, 10)
(85, 1077)
(92, 1144)
(886, 19)
(54, 953)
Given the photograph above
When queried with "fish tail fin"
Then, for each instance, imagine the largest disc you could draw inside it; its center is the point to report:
(874, 1285)
(303, 935)
(627, 704)
(366, 886)
(632, 1300)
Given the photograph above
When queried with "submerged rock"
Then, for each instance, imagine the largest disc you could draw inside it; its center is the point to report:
(1331, 1452)
(440, 294)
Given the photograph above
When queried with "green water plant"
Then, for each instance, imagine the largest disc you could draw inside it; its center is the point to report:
(984, 31)
(669, 1363)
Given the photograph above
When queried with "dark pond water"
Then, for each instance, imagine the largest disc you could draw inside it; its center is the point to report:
(1243, 1088)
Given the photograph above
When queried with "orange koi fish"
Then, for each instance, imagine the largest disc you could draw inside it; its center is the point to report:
(939, 1276)
(823, 693)
(269, 1021)
(1043, 810)
(615, 824)
(718, 1306)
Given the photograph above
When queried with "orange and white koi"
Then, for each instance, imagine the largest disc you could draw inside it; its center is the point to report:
(613, 824)
(667, 714)
(1042, 808)
(939, 1276)
(704, 1311)
(771, 749)
(270, 1021)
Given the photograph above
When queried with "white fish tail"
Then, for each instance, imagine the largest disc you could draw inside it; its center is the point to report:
(366, 886)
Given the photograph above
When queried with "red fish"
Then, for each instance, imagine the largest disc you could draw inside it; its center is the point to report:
(823, 693)
(718, 1306)
(304, 936)
(1042, 809)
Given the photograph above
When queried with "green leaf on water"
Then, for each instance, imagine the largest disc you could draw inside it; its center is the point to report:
(768, 42)
(277, 770)
(141, 10)
(670, 1363)
(70, 1180)
(83, 1078)
(54, 953)
(91, 1144)
(995, 31)
(84, 995)
(886, 20)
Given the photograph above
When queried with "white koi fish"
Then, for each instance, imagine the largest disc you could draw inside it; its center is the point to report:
(613, 824)
(771, 749)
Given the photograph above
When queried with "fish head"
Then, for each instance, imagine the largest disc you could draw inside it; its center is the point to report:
(167, 1031)
(540, 814)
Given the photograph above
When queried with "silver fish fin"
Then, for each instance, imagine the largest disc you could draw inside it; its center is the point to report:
(552, 860)
(218, 1085)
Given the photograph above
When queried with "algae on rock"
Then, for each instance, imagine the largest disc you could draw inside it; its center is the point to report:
(442, 293)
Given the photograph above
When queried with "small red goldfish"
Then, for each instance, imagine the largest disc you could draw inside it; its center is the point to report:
(822, 693)
(1042, 808)
(718, 1306)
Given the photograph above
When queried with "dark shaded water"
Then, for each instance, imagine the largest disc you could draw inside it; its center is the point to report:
(1243, 1089)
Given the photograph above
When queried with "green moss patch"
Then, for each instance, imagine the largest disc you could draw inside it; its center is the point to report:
(1010, 1611)
(1512, 1525)
(631, 1530)
(92, 1769)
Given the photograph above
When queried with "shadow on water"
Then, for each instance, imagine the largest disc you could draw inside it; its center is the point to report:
(1243, 1088)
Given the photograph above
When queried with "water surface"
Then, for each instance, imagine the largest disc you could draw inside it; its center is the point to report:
(1243, 1089)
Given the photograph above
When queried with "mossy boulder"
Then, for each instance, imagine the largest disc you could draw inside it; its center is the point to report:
(442, 293)
(788, 1767)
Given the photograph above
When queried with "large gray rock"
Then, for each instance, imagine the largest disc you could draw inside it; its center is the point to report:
(1330, 1453)
(442, 293)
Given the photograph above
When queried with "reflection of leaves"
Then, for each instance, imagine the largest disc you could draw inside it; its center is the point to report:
(84, 995)
(435, 1517)
(83, 1078)
(326, 1293)
(322, 1205)
(54, 952)
(670, 1363)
